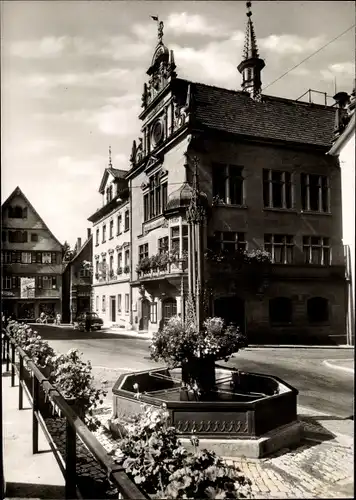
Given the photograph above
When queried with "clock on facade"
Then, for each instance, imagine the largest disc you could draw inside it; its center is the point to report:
(157, 132)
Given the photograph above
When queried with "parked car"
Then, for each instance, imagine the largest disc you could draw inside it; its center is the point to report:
(95, 323)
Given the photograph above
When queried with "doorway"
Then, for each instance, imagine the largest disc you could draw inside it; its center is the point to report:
(169, 309)
(113, 308)
(145, 314)
(231, 310)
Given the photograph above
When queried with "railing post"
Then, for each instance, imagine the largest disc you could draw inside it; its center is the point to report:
(12, 365)
(20, 384)
(71, 459)
(7, 354)
(35, 397)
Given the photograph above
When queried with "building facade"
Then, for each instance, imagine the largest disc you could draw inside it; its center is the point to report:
(31, 262)
(112, 251)
(344, 149)
(266, 183)
(77, 281)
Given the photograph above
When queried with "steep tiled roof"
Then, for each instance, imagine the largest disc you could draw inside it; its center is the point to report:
(273, 118)
(117, 173)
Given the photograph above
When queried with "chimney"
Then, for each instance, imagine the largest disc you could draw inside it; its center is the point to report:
(79, 244)
(342, 99)
(88, 232)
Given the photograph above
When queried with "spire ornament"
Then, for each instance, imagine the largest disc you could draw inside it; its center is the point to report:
(110, 160)
(160, 27)
(251, 64)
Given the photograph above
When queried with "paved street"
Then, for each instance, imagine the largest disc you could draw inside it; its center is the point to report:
(321, 388)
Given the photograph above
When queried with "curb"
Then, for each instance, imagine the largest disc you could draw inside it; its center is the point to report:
(287, 346)
(128, 334)
(337, 367)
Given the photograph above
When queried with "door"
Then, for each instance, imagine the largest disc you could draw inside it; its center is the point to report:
(231, 310)
(113, 308)
(145, 314)
(169, 309)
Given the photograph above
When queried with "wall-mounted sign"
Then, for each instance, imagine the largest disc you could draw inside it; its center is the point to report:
(150, 226)
(27, 288)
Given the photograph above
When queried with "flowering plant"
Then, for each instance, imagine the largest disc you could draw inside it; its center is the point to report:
(154, 457)
(144, 265)
(75, 380)
(180, 341)
(40, 352)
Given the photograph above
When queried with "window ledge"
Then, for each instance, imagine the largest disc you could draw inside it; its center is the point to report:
(128, 229)
(104, 241)
(312, 212)
(111, 238)
(275, 209)
(97, 244)
(229, 205)
(118, 234)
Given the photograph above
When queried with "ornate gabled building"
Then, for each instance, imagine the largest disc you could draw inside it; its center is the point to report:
(31, 261)
(112, 250)
(263, 181)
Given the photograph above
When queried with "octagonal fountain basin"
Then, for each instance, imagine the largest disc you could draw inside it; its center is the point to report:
(251, 413)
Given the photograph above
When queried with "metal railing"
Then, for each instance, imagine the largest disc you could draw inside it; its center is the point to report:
(41, 390)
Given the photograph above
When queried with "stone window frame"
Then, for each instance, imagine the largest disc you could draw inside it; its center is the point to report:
(153, 312)
(322, 245)
(285, 242)
(143, 251)
(239, 240)
(119, 303)
(155, 198)
(222, 186)
(127, 303)
(322, 198)
(271, 186)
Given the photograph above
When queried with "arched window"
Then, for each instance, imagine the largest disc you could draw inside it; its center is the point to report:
(318, 310)
(280, 310)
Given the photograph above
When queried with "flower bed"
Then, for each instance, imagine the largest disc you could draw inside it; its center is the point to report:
(149, 450)
(68, 372)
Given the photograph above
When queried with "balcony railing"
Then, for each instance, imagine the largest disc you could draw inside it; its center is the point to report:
(179, 267)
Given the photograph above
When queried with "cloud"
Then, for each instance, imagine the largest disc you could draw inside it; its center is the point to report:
(117, 48)
(290, 44)
(39, 146)
(118, 116)
(49, 46)
(215, 62)
(194, 24)
(341, 70)
(47, 81)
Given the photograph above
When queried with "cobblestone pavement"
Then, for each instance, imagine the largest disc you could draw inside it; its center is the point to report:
(321, 466)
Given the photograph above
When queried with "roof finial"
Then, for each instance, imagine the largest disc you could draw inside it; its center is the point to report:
(160, 26)
(110, 162)
(250, 46)
(248, 5)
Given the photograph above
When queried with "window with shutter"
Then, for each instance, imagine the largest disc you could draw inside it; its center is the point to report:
(54, 282)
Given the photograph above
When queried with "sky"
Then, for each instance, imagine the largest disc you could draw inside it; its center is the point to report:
(72, 75)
